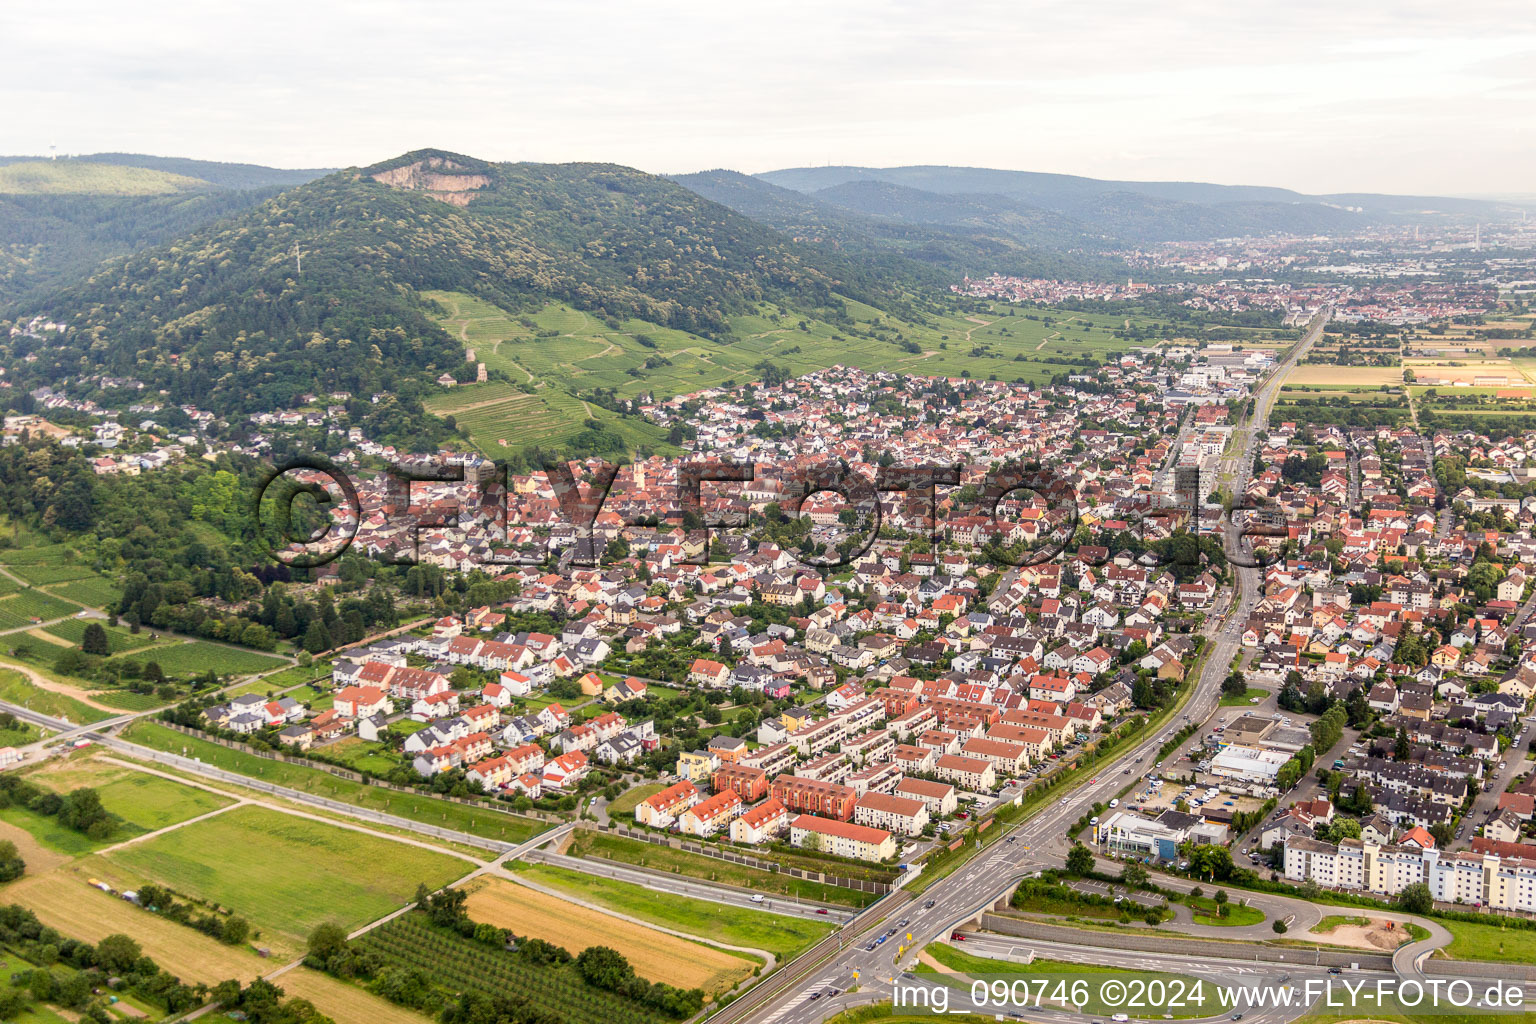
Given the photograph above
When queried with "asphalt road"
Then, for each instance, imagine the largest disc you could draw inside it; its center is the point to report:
(991, 873)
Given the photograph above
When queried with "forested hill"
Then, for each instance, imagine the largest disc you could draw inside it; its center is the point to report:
(226, 318)
(938, 243)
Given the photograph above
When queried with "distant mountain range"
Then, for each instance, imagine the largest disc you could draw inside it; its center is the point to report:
(977, 220)
(213, 172)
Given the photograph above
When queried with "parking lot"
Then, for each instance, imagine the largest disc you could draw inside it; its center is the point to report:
(1145, 899)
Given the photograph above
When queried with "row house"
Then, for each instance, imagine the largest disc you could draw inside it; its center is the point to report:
(662, 809)
(708, 817)
(903, 815)
(806, 796)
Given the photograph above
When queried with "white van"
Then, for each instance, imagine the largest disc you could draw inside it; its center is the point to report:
(757, 899)
(1114, 803)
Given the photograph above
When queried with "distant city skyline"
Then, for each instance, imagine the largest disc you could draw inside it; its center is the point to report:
(1408, 98)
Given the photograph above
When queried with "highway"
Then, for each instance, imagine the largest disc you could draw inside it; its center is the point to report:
(1029, 845)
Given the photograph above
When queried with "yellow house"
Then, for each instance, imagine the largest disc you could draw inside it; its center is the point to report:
(795, 718)
(697, 764)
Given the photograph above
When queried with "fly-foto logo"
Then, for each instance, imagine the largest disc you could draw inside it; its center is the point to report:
(1017, 515)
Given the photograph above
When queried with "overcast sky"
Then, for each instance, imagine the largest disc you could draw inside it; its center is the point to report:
(1399, 96)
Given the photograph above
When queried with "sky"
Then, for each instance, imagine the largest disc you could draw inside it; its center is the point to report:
(1404, 96)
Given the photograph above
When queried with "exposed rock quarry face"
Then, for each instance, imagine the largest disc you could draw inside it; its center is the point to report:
(438, 177)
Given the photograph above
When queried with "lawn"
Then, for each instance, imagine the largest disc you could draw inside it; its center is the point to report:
(285, 874)
(1206, 912)
(1060, 971)
(625, 805)
(484, 822)
(362, 756)
(587, 843)
(655, 955)
(1229, 700)
(1493, 942)
(736, 926)
(19, 734)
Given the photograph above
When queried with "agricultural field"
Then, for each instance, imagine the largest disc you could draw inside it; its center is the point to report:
(61, 898)
(1352, 376)
(94, 591)
(655, 955)
(34, 550)
(43, 572)
(460, 964)
(15, 688)
(483, 822)
(127, 700)
(283, 873)
(194, 657)
(119, 639)
(1380, 408)
(26, 607)
(1498, 371)
(547, 354)
(344, 1003)
(751, 927)
(140, 801)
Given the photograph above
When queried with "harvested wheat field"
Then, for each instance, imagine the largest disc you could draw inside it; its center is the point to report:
(62, 898)
(1358, 376)
(654, 954)
(344, 1003)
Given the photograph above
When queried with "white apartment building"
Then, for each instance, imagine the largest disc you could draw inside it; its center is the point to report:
(1474, 879)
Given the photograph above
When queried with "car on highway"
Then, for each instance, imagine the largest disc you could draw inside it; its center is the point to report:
(822, 910)
(956, 937)
(1335, 970)
(757, 899)
(928, 905)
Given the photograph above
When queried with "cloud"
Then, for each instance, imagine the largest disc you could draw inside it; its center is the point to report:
(1312, 95)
